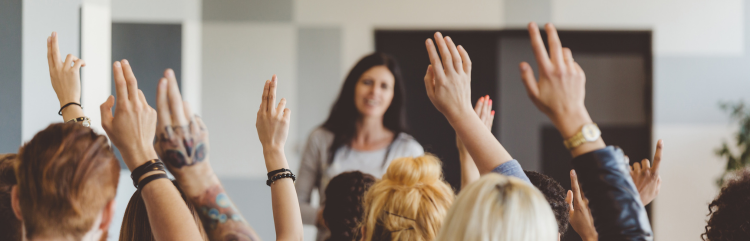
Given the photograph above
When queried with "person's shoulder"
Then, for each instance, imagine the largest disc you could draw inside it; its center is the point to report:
(321, 134)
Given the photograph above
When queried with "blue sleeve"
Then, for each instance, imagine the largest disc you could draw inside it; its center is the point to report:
(513, 169)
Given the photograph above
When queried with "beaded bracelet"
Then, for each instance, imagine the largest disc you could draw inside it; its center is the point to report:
(274, 172)
(280, 176)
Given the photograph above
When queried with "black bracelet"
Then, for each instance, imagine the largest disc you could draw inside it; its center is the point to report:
(66, 105)
(151, 165)
(280, 176)
(274, 172)
(150, 179)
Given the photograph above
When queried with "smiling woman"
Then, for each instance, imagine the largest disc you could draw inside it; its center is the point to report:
(364, 132)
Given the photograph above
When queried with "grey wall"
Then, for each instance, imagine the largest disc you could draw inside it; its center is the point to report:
(247, 10)
(318, 68)
(150, 49)
(521, 12)
(10, 75)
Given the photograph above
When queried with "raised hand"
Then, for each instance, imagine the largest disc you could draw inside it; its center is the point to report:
(469, 171)
(646, 177)
(272, 123)
(133, 125)
(580, 214)
(65, 77)
(561, 89)
(182, 143)
(448, 82)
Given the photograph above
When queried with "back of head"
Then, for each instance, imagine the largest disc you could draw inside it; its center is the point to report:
(135, 224)
(555, 195)
(345, 214)
(66, 175)
(409, 203)
(10, 226)
(499, 208)
(730, 211)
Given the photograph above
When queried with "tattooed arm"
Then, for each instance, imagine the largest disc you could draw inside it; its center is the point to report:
(273, 126)
(182, 143)
(131, 130)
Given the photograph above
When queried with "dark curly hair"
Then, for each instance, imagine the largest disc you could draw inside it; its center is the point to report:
(555, 195)
(730, 211)
(343, 205)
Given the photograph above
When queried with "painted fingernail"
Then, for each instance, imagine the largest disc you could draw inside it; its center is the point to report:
(490, 102)
(125, 61)
(492, 113)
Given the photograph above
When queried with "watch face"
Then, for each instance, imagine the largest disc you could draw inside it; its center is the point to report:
(86, 123)
(591, 132)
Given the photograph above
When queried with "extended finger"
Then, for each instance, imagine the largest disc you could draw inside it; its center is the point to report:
(50, 63)
(555, 46)
(194, 127)
(574, 185)
(264, 96)
(55, 49)
(175, 100)
(127, 71)
(540, 52)
(478, 106)
(465, 59)
(457, 63)
(488, 107)
(527, 74)
(657, 155)
(142, 99)
(437, 65)
(444, 52)
(272, 94)
(492, 120)
(121, 87)
(162, 103)
(569, 200)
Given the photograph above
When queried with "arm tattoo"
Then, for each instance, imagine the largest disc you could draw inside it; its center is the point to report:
(220, 217)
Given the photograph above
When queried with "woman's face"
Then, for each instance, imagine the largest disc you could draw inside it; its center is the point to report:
(374, 91)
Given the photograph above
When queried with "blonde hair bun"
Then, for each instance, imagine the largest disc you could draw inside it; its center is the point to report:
(411, 171)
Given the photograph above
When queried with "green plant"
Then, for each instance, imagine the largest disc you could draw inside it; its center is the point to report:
(738, 112)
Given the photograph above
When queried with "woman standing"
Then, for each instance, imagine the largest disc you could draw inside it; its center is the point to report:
(364, 132)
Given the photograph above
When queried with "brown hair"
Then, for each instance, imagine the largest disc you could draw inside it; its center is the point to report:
(66, 175)
(409, 203)
(10, 226)
(730, 211)
(347, 191)
(135, 224)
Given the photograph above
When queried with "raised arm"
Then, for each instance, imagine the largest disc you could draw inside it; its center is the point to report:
(469, 171)
(182, 143)
(448, 84)
(273, 127)
(132, 130)
(66, 79)
(613, 198)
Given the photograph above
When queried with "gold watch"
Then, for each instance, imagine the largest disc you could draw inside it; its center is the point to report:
(589, 133)
(85, 122)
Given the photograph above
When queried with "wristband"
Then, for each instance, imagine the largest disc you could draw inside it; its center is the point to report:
(66, 105)
(151, 165)
(274, 172)
(280, 176)
(150, 179)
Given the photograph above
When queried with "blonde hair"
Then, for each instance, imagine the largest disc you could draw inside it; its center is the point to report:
(500, 208)
(409, 203)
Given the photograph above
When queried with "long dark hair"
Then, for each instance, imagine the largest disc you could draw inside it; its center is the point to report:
(344, 115)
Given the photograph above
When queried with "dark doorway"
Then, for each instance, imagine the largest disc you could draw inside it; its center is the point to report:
(618, 67)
